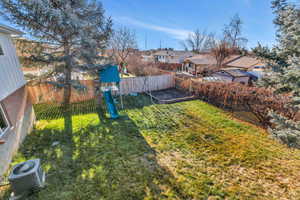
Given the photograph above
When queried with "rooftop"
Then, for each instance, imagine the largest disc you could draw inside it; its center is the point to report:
(246, 62)
(236, 73)
(173, 53)
(208, 59)
(9, 30)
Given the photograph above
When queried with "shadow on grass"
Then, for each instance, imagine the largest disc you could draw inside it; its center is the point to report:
(50, 111)
(40, 144)
(135, 102)
(100, 160)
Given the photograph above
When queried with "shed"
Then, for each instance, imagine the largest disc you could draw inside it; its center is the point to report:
(234, 75)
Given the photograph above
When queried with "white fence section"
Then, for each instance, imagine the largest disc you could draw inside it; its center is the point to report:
(147, 83)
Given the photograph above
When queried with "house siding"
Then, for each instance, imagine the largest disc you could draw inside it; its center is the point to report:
(11, 75)
(21, 117)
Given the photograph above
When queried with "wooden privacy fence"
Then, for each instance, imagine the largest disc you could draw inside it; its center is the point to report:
(146, 83)
(48, 93)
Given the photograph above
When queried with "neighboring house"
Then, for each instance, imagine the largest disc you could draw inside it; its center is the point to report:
(170, 60)
(247, 63)
(203, 62)
(232, 75)
(35, 71)
(31, 70)
(162, 56)
(147, 58)
(16, 111)
(257, 74)
(171, 56)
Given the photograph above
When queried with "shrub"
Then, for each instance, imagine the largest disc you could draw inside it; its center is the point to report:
(170, 66)
(235, 96)
(139, 68)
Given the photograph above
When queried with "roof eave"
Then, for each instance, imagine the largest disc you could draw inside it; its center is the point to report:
(9, 30)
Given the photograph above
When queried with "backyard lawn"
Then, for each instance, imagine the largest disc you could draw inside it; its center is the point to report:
(188, 150)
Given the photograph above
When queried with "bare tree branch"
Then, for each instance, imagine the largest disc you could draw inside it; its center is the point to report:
(122, 43)
(233, 31)
(198, 41)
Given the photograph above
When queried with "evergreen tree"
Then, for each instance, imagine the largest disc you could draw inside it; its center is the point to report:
(76, 31)
(284, 73)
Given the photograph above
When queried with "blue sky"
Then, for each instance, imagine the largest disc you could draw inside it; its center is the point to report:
(170, 21)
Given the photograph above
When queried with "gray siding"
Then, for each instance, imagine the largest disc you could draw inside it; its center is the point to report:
(11, 75)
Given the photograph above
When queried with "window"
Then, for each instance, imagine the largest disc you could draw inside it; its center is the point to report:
(4, 125)
(1, 51)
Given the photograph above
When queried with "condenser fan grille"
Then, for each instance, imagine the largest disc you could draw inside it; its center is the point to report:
(24, 168)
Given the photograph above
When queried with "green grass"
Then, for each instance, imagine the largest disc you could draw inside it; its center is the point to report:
(188, 150)
(44, 111)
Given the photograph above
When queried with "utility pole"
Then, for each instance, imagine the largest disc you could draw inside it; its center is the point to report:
(146, 42)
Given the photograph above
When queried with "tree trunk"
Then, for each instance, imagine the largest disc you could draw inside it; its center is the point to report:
(67, 81)
(100, 103)
(67, 87)
(67, 92)
(122, 64)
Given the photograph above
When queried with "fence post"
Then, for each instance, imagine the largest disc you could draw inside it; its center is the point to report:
(121, 96)
(190, 87)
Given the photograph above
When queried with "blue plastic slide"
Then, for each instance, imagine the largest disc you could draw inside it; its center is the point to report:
(111, 107)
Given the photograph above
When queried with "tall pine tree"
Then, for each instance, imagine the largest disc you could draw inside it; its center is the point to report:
(284, 74)
(76, 31)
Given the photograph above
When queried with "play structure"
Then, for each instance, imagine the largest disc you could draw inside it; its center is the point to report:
(110, 81)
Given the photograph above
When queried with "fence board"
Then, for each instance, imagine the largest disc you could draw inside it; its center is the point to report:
(147, 83)
(46, 93)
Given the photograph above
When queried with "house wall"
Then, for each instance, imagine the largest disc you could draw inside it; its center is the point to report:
(21, 116)
(11, 76)
(242, 80)
(202, 68)
(188, 67)
(223, 77)
(161, 58)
